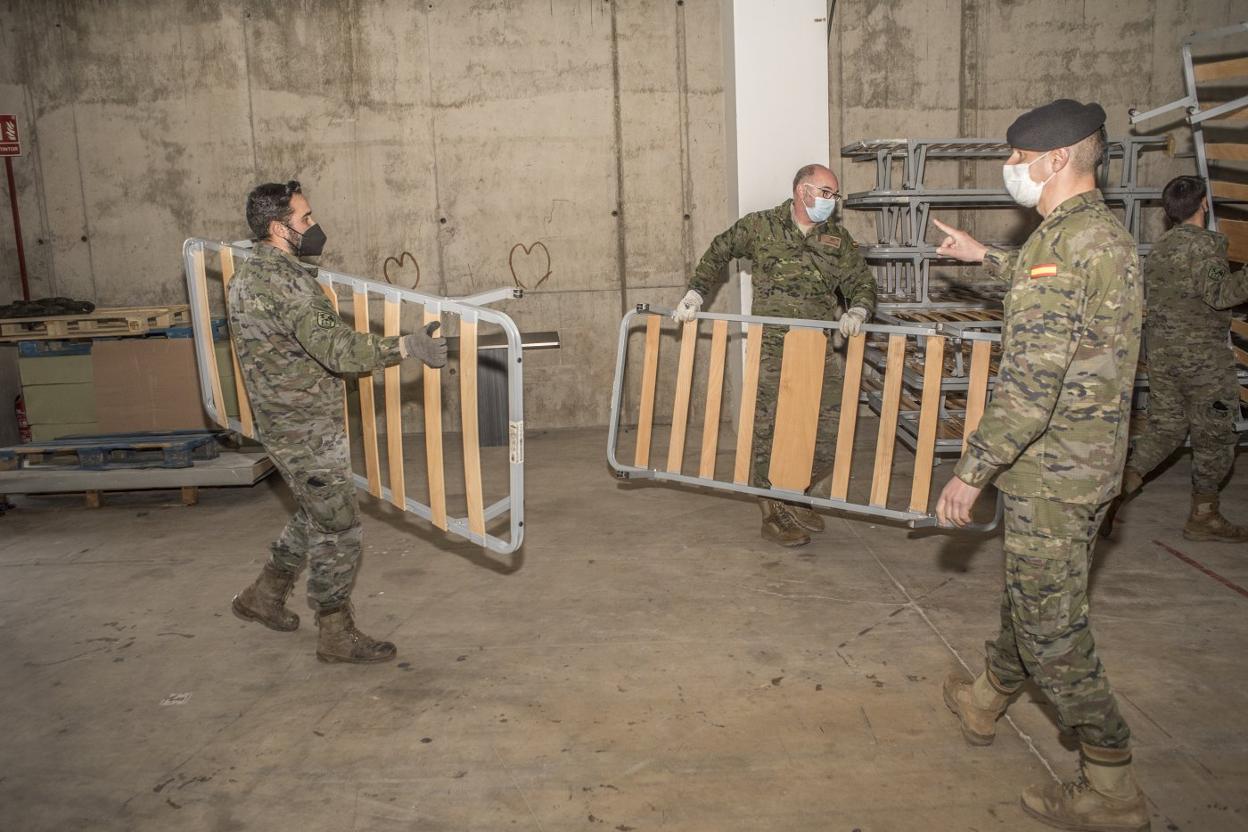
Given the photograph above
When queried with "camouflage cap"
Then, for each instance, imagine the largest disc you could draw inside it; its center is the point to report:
(1058, 124)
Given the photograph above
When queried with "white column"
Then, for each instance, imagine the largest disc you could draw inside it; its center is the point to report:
(776, 107)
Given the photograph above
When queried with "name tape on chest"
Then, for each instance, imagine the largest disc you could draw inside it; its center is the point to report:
(830, 240)
(1043, 270)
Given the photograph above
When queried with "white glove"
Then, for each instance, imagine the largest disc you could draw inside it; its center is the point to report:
(688, 308)
(851, 322)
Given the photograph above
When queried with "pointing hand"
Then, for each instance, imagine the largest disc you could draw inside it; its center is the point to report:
(959, 245)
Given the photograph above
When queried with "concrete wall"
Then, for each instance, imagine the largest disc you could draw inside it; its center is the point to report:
(455, 129)
(452, 129)
(943, 68)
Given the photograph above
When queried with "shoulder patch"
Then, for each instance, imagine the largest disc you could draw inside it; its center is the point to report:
(1043, 270)
(325, 320)
(830, 240)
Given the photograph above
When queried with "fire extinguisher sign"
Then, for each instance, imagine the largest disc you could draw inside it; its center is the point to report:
(9, 143)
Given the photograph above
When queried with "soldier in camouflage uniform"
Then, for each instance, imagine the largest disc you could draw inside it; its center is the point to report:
(292, 349)
(1191, 370)
(1055, 437)
(805, 265)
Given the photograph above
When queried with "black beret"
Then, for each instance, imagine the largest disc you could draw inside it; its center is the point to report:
(1059, 124)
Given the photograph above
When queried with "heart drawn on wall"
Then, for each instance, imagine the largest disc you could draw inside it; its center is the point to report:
(530, 264)
(405, 257)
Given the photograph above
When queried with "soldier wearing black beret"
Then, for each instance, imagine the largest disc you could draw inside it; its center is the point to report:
(1054, 437)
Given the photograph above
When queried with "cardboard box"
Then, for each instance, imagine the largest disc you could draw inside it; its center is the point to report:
(45, 433)
(55, 369)
(152, 384)
(59, 404)
(225, 366)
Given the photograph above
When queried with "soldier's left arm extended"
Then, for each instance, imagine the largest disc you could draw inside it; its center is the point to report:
(1044, 331)
(1221, 288)
(334, 343)
(857, 282)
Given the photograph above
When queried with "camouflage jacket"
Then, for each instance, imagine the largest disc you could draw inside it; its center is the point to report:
(1061, 405)
(291, 343)
(795, 275)
(1190, 290)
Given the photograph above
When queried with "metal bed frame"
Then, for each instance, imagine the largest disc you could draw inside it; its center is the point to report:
(470, 310)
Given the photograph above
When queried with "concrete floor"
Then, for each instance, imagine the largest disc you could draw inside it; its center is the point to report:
(647, 662)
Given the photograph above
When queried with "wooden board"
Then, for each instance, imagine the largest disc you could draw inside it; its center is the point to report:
(1220, 70)
(797, 409)
(394, 412)
(844, 460)
(714, 399)
(1236, 232)
(346, 415)
(749, 401)
(929, 421)
(977, 388)
(368, 405)
(433, 437)
(649, 381)
(1236, 116)
(886, 439)
(468, 420)
(244, 403)
(1230, 190)
(1239, 327)
(684, 386)
(214, 372)
(1227, 151)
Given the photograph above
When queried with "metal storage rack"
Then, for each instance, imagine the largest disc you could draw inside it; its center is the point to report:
(902, 201)
(901, 255)
(1227, 114)
(1214, 99)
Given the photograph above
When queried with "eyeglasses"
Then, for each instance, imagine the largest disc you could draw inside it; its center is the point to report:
(826, 193)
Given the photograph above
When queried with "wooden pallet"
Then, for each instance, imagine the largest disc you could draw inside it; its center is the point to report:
(943, 316)
(95, 499)
(96, 453)
(102, 323)
(914, 359)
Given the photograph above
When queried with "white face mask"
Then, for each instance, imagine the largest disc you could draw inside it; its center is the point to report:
(1025, 190)
(823, 207)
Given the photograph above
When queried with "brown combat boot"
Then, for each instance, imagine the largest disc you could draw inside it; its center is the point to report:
(265, 600)
(1207, 523)
(779, 525)
(978, 703)
(806, 517)
(340, 641)
(1132, 482)
(1103, 798)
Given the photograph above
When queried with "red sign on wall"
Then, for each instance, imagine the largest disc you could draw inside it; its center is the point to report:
(9, 144)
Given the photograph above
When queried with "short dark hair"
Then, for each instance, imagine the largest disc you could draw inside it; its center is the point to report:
(804, 173)
(1088, 152)
(268, 203)
(1181, 198)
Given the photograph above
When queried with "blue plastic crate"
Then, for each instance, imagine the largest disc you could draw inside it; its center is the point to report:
(43, 349)
(220, 331)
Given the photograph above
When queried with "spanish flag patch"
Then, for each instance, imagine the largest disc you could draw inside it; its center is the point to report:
(1043, 270)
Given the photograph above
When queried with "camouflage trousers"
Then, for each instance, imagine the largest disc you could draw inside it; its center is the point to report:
(768, 395)
(325, 531)
(1196, 397)
(1045, 632)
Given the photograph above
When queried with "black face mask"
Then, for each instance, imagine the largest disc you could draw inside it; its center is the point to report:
(311, 242)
